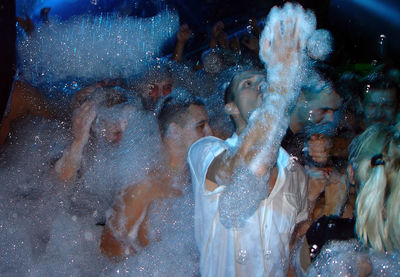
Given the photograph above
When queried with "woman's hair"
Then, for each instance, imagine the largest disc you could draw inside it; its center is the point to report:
(375, 158)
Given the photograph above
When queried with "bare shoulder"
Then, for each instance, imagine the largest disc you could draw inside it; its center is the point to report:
(137, 193)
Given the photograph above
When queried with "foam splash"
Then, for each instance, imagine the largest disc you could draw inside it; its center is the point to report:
(340, 258)
(94, 47)
(172, 251)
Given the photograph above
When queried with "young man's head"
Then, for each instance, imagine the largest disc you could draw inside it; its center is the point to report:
(318, 105)
(244, 95)
(379, 101)
(155, 84)
(113, 110)
(183, 121)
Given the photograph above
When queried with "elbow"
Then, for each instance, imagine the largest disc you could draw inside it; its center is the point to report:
(109, 245)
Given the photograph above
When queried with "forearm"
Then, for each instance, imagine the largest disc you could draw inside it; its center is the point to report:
(213, 42)
(178, 52)
(260, 141)
(69, 164)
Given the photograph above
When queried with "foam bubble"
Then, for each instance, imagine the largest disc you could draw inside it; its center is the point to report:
(320, 45)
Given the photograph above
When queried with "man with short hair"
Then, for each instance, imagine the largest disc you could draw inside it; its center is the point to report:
(240, 228)
(156, 83)
(317, 110)
(181, 123)
(379, 101)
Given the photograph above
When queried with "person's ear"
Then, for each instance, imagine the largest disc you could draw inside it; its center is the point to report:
(350, 174)
(232, 109)
(174, 131)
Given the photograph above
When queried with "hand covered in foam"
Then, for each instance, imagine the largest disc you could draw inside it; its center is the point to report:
(283, 42)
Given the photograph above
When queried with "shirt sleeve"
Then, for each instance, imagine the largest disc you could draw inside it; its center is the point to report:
(302, 185)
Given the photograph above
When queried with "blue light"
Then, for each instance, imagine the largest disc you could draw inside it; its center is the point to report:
(386, 10)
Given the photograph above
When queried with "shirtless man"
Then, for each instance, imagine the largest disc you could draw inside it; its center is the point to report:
(241, 229)
(25, 99)
(181, 123)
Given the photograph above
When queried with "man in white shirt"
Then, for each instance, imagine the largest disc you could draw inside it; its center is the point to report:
(241, 229)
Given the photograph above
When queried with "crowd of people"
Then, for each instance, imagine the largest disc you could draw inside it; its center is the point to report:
(258, 159)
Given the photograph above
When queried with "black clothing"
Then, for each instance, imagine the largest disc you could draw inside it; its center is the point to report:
(328, 228)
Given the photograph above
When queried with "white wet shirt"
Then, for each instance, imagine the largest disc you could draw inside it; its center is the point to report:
(261, 247)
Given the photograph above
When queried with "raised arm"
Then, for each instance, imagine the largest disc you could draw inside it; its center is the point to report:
(182, 37)
(68, 165)
(281, 49)
(246, 171)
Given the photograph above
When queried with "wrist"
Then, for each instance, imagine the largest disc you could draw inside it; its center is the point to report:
(79, 142)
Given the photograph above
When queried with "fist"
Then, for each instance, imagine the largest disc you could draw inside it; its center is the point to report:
(184, 33)
(319, 148)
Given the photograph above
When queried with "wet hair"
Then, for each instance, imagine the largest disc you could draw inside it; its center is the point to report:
(322, 78)
(375, 157)
(104, 96)
(174, 109)
(378, 81)
(155, 73)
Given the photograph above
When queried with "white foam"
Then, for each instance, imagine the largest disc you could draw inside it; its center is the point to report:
(94, 47)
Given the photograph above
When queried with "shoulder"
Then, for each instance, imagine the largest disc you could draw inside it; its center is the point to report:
(205, 147)
(202, 153)
(290, 162)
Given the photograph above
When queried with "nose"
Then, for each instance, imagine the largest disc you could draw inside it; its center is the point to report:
(262, 86)
(207, 130)
(379, 112)
(329, 116)
(155, 92)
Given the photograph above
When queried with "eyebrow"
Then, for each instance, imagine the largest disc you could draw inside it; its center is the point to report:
(330, 108)
(202, 122)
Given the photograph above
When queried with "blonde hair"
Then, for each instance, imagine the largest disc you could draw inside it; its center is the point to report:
(374, 156)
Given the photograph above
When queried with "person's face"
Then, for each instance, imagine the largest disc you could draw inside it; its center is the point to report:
(157, 90)
(248, 93)
(323, 108)
(379, 105)
(196, 126)
(112, 130)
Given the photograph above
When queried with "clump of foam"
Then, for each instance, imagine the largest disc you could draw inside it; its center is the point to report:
(94, 47)
(110, 167)
(172, 250)
(48, 227)
(341, 258)
(242, 197)
(72, 248)
(320, 45)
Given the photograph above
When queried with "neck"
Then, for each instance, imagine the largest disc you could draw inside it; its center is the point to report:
(240, 125)
(295, 125)
(176, 156)
(176, 162)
